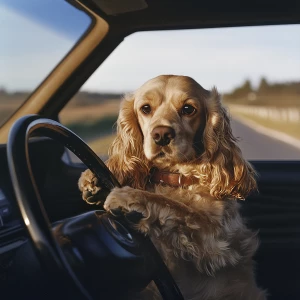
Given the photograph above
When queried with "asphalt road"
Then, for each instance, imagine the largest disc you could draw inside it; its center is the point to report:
(257, 146)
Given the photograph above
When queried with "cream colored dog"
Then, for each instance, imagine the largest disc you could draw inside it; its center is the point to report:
(181, 168)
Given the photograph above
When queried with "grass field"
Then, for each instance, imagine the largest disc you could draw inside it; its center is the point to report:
(94, 123)
(71, 114)
(6, 110)
(101, 145)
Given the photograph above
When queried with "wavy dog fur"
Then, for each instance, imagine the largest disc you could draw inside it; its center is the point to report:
(197, 228)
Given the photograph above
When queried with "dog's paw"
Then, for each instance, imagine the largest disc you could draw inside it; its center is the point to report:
(89, 186)
(125, 198)
(129, 202)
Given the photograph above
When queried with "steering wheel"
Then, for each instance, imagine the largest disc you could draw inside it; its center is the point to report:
(86, 253)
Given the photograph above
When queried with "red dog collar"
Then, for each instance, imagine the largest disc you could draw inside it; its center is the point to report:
(171, 179)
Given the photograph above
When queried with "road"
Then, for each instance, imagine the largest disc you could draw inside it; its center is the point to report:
(257, 146)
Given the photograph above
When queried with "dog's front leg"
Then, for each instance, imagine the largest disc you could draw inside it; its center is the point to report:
(158, 211)
(193, 235)
(128, 200)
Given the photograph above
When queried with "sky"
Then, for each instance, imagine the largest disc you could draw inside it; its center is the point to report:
(31, 46)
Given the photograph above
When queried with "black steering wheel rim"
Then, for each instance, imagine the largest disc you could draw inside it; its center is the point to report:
(32, 209)
(28, 197)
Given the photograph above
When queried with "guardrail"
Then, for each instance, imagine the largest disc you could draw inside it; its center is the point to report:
(289, 115)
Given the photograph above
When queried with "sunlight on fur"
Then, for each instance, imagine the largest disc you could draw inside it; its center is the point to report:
(180, 166)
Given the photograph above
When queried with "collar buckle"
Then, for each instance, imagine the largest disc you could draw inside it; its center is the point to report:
(180, 179)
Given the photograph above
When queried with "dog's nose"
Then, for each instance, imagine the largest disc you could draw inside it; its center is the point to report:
(162, 135)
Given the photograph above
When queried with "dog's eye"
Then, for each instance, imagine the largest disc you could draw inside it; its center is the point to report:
(146, 109)
(188, 110)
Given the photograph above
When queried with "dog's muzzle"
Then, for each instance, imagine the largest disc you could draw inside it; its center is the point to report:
(162, 135)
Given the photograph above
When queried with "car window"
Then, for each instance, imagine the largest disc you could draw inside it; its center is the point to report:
(35, 36)
(93, 116)
(256, 69)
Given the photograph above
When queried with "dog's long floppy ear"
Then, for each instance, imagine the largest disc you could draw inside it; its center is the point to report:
(127, 160)
(227, 173)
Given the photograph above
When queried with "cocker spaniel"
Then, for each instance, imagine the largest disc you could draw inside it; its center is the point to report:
(181, 168)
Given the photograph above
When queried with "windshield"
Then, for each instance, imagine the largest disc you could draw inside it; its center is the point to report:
(35, 36)
(256, 69)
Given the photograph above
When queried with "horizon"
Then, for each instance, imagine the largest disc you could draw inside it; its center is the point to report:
(3, 89)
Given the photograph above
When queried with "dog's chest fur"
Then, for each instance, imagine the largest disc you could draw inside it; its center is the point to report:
(216, 277)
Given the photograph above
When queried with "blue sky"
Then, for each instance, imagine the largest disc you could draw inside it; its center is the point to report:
(30, 48)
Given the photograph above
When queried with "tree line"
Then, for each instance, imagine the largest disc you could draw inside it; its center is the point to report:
(266, 93)
(286, 93)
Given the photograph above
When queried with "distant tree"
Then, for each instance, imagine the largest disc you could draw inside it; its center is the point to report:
(264, 86)
(267, 93)
(2, 90)
(247, 87)
(243, 90)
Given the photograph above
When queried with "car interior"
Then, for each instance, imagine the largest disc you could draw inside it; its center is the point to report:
(274, 211)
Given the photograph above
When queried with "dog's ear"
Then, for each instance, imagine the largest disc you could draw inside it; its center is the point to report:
(224, 169)
(127, 160)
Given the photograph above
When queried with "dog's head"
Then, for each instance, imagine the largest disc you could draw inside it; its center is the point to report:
(172, 121)
(171, 114)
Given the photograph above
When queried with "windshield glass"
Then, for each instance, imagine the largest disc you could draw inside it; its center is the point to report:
(256, 69)
(35, 36)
